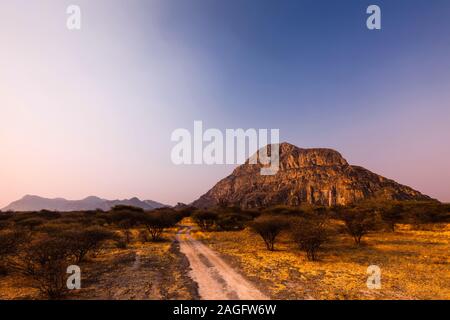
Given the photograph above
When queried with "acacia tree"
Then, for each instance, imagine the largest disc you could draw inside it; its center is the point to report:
(126, 226)
(10, 243)
(359, 222)
(45, 263)
(310, 234)
(269, 227)
(205, 219)
(392, 214)
(126, 218)
(157, 221)
(86, 241)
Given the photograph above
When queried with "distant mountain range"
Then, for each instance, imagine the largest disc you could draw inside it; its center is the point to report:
(36, 203)
(313, 176)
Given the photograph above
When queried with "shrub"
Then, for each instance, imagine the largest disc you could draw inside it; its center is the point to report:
(57, 226)
(391, 214)
(90, 240)
(4, 224)
(121, 244)
(310, 234)
(144, 236)
(126, 225)
(427, 212)
(45, 263)
(232, 221)
(269, 227)
(122, 207)
(49, 215)
(158, 220)
(282, 210)
(30, 223)
(10, 243)
(359, 222)
(5, 216)
(186, 211)
(205, 219)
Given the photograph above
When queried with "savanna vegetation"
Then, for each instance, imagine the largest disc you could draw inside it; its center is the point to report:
(324, 252)
(290, 253)
(36, 248)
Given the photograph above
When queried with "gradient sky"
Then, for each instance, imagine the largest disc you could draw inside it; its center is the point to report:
(91, 112)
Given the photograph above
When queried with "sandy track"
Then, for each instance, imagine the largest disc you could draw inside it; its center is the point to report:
(215, 278)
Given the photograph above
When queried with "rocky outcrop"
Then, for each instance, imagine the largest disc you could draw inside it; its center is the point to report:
(314, 176)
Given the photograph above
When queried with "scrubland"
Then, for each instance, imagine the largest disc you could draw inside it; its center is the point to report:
(122, 260)
(415, 264)
(287, 253)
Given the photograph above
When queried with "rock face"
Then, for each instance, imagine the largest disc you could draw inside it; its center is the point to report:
(314, 176)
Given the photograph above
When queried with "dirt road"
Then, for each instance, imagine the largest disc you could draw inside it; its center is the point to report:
(215, 278)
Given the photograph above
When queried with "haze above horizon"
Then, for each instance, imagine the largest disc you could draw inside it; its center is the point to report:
(91, 112)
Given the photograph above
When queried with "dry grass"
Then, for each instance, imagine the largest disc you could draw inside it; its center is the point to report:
(153, 270)
(414, 264)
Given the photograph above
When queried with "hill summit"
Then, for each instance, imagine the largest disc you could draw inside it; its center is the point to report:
(316, 176)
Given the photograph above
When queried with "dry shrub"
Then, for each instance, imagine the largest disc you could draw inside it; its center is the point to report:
(10, 244)
(90, 240)
(269, 227)
(310, 234)
(157, 221)
(44, 262)
(205, 219)
(359, 222)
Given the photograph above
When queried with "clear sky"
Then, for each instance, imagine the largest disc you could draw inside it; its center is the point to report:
(91, 112)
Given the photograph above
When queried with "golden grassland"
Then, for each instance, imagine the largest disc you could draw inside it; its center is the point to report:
(151, 270)
(415, 264)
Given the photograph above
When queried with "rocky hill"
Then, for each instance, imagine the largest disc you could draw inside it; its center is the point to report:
(314, 176)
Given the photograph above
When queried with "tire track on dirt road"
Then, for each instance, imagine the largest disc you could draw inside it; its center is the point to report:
(215, 278)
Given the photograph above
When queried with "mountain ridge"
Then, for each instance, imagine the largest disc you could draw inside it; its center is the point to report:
(37, 203)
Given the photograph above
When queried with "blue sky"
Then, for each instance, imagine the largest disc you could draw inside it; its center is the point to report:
(91, 112)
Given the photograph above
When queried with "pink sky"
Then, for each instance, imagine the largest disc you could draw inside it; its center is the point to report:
(91, 112)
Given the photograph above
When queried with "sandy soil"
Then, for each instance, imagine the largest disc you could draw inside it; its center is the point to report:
(215, 278)
(154, 271)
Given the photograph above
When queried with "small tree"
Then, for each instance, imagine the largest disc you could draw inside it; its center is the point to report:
(126, 225)
(10, 243)
(87, 241)
(5, 220)
(359, 222)
(4, 224)
(269, 227)
(205, 219)
(144, 236)
(392, 214)
(232, 221)
(157, 221)
(45, 263)
(310, 234)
